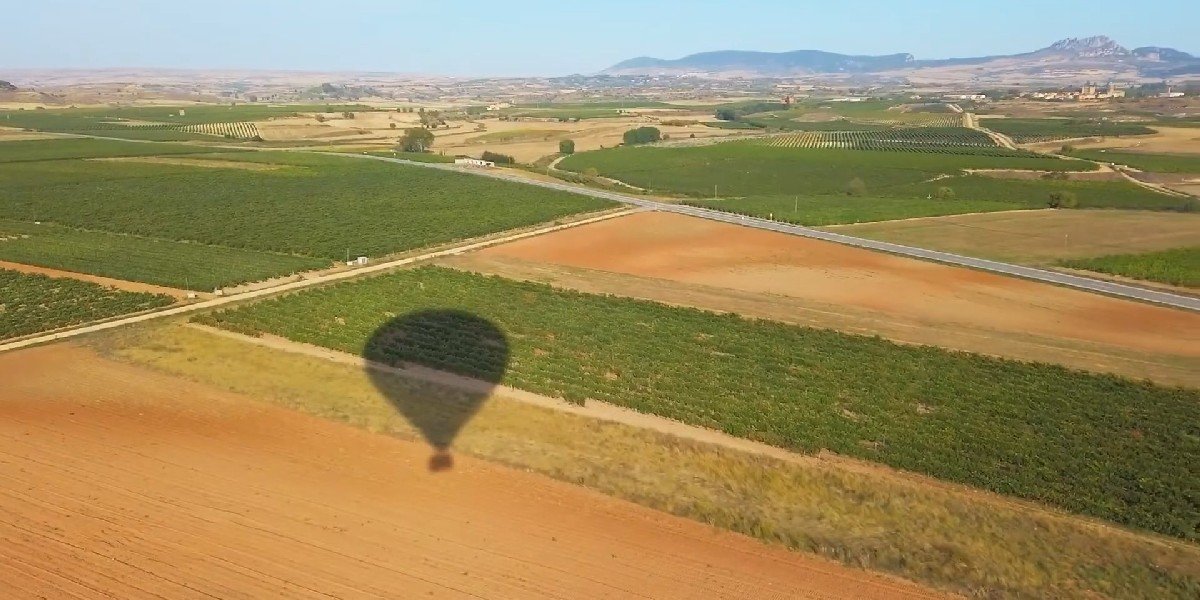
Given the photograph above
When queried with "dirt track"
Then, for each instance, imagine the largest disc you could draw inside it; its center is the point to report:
(120, 284)
(124, 483)
(915, 294)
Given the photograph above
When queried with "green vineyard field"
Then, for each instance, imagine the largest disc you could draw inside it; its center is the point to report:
(33, 303)
(1098, 445)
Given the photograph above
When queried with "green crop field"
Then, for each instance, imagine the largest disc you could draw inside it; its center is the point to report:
(160, 262)
(1024, 131)
(33, 303)
(429, 157)
(312, 205)
(948, 140)
(751, 169)
(1144, 161)
(1180, 266)
(64, 148)
(836, 210)
(1093, 444)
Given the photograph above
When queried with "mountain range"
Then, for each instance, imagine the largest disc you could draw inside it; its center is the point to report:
(1092, 58)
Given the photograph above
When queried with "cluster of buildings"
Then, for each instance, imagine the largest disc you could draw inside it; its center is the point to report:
(1089, 91)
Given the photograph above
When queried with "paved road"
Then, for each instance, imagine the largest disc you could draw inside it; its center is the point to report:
(1075, 281)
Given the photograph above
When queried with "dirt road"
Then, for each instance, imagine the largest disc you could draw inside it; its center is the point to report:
(123, 483)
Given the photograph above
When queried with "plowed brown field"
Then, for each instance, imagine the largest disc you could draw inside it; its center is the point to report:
(872, 292)
(124, 483)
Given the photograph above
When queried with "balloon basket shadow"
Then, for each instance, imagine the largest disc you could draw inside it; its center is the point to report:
(442, 460)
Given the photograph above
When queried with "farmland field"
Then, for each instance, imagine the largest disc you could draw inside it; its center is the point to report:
(32, 303)
(1110, 448)
(164, 123)
(832, 210)
(957, 140)
(312, 205)
(1041, 238)
(689, 261)
(65, 148)
(161, 262)
(748, 169)
(1024, 131)
(1180, 266)
(1144, 161)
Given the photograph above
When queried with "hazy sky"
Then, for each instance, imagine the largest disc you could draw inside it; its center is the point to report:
(535, 37)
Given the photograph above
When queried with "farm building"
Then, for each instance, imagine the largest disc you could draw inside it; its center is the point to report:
(473, 162)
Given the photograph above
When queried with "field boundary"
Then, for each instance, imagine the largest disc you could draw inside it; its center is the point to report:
(1042, 275)
(303, 283)
(603, 411)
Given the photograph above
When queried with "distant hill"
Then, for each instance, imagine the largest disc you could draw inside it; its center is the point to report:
(1092, 55)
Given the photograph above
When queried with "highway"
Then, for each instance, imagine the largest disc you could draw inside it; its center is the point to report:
(1031, 273)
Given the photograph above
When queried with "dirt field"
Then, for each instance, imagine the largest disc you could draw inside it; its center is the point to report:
(829, 285)
(1039, 237)
(1168, 139)
(130, 484)
(120, 284)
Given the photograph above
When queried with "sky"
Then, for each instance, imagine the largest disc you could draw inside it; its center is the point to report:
(536, 37)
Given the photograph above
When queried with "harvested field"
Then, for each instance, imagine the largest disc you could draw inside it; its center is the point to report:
(916, 301)
(254, 500)
(882, 519)
(1166, 139)
(1040, 237)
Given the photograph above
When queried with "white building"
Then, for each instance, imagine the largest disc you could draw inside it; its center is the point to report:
(473, 162)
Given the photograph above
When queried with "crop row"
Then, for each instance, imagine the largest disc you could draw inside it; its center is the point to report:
(240, 130)
(917, 138)
(31, 303)
(161, 262)
(1098, 445)
(1024, 131)
(340, 206)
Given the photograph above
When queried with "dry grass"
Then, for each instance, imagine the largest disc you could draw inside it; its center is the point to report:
(954, 538)
(1040, 237)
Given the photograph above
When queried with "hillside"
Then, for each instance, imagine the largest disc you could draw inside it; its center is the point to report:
(1087, 57)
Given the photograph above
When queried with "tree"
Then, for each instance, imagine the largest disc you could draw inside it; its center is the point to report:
(856, 187)
(500, 159)
(726, 114)
(944, 193)
(416, 139)
(642, 135)
(566, 147)
(1063, 200)
(1067, 148)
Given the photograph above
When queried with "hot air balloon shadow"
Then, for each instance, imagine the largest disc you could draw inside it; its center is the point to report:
(466, 351)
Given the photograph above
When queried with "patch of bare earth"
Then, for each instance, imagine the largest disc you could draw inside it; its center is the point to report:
(824, 284)
(122, 482)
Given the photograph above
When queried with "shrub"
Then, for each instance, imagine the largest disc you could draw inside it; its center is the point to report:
(566, 147)
(1063, 200)
(944, 193)
(642, 135)
(496, 157)
(856, 187)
